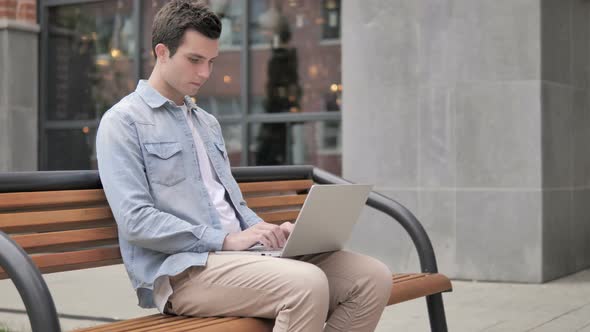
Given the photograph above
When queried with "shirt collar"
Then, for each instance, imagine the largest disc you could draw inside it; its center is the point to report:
(153, 98)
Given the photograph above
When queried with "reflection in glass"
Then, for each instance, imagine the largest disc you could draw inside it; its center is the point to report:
(294, 31)
(283, 94)
(232, 135)
(294, 69)
(90, 57)
(91, 47)
(71, 149)
(230, 14)
(306, 143)
(330, 19)
(220, 106)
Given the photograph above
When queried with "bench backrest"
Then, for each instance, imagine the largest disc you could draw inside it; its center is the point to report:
(74, 229)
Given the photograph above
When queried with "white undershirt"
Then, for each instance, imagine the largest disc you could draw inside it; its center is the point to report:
(227, 214)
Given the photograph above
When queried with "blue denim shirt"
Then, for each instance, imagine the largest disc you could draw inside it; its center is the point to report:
(148, 166)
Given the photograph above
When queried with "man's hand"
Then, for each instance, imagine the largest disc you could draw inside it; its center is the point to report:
(287, 228)
(270, 235)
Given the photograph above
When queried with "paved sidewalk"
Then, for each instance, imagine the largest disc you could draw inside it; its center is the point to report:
(91, 297)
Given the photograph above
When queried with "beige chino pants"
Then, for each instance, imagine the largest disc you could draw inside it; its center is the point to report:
(344, 290)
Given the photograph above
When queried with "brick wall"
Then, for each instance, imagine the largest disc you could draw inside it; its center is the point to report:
(20, 10)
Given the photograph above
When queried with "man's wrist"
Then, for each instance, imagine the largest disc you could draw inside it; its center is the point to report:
(229, 242)
(225, 244)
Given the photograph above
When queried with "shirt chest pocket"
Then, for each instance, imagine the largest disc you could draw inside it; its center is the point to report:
(164, 163)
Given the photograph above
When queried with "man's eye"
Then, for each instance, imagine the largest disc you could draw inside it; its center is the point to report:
(194, 60)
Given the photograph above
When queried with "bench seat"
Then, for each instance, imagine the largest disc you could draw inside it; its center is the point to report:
(166, 323)
(405, 287)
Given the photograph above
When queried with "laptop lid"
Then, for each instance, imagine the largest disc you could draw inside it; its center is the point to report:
(327, 218)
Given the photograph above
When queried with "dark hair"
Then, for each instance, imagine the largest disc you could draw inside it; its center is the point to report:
(177, 16)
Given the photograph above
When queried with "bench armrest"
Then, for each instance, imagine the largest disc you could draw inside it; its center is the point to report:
(398, 212)
(30, 285)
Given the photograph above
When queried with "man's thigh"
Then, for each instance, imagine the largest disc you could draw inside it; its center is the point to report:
(240, 285)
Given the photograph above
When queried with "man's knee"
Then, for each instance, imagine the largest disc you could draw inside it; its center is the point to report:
(383, 273)
(305, 299)
(310, 286)
(379, 274)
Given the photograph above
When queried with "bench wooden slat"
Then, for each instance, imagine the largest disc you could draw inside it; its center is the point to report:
(409, 287)
(118, 326)
(58, 241)
(74, 260)
(45, 220)
(275, 201)
(187, 322)
(242, 325)
(159, 322)
(188, 325)
(275, 186)
(149, 326)
(278, 217)
(167, 322)
(13, 201)
(407, 277)
(133, 323)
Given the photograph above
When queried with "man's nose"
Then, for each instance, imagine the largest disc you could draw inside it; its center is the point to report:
(204, 71)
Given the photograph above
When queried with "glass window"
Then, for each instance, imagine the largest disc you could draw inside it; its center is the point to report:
(231, 14)
(303, 143)
(296, 69)
(328, 137)
(91, 49)
(268, 144)
(90, 55)
(293, 68)
(331, 19)
(220, 106)
(71, 149)
(232, 135)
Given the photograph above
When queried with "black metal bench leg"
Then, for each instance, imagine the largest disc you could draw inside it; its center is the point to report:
(436, 313)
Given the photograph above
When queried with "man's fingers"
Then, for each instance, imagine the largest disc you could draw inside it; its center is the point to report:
(278, 232)
(287, 228)
(264, 242)
(267, 238)
(271, 238)
(273, 233)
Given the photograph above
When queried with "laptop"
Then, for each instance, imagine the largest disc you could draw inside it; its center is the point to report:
(324, 224)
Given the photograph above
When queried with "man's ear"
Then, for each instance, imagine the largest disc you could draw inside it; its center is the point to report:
(162, 52)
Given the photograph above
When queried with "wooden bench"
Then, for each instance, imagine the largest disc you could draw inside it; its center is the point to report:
(61, 221)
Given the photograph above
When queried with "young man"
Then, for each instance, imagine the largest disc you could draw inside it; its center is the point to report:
(166, 175)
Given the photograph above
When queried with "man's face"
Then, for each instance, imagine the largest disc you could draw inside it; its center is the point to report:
(189, 68)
